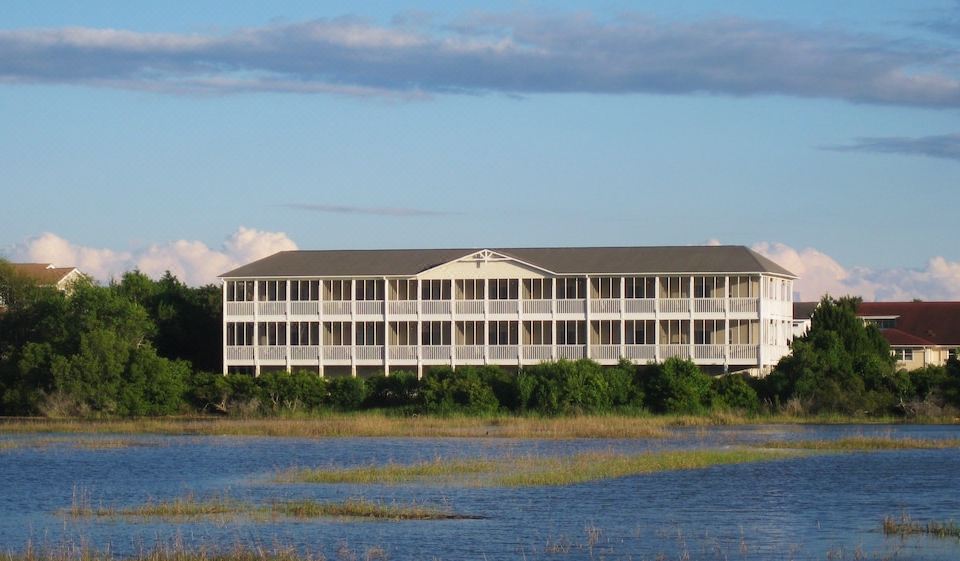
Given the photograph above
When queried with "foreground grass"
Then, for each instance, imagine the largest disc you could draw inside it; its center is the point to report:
(905, 526)
(222, 507)
(381, 424)
(535, 471)
(866, 443)
(176, 552)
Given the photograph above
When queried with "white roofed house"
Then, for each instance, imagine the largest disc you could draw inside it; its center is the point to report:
(344, 312)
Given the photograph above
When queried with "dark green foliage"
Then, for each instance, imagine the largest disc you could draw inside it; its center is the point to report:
(399, 389)
(292, 390)
(444, 390)
(734, 392)
(562, 387)
(677, 386)
(346, 393)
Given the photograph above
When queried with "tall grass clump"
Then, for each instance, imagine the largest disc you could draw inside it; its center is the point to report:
(904, 526)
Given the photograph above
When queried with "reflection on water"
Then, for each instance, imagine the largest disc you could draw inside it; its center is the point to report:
(816, 507)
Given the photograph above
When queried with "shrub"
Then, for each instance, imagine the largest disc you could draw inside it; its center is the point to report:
(291, 391)
(677, 386)
(399, 389)
(346, 393)
(734, 392)
(444, 390)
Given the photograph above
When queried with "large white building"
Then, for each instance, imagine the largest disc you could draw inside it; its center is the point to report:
(366, 311)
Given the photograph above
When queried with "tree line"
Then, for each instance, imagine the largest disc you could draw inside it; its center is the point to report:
(139, 346)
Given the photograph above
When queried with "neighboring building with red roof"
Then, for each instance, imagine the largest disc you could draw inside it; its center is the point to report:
(45, 274)
(919, 333)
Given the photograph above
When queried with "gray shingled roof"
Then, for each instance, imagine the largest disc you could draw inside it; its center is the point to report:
(560, 260)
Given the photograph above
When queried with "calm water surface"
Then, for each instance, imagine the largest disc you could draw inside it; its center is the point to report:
(820, 507)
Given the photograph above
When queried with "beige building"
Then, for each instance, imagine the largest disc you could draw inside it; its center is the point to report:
(45, 274)
(365, 311)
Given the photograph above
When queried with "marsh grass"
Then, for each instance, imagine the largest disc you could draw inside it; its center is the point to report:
(172, 552)
(79, 443)
(534, 471)
(226, 507)
(905, 526)
(866, 443)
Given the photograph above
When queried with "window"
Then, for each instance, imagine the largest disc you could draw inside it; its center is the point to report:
(708, 332)
(742, 287)
(272, 333)
(273, 291)
(640, 287)
(403, 333)
(470, 332)
(674, 287)
(538, 289)
(571, 332)
(881, 323)
(675, 332)
(369, 333)
(305, 290)
(303, 333)
(337, 290)
(571, 289)
(537, 333)
(708, 287)
(606, 287)
(240, 334)
(606, 332)
(470, 289)
(403, 289)
(337, 333)
(435, 333)
(903, 355)
(240, 291)
(743, 332)
(641, 332)
(504, 332)
(369, 289)
(435, 289)
(504, 289)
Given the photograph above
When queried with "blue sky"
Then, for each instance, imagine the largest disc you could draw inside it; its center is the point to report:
(824, 133)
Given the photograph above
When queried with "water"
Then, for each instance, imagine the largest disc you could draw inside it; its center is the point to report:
(819, 507)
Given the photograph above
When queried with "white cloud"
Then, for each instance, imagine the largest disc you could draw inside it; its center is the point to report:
(821, 274)
(193, 262)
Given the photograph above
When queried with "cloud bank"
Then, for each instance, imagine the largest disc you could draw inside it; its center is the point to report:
(193, 262)
(821, 274)
(505, 53)
(937, 146)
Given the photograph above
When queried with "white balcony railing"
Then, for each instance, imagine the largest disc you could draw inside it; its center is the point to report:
(674, 305)
(640, 306)
(403, 307)
(369, 307)
(470, 307)
(504, 352)
(743, 305)
(708, 305)
(503, 306)
(571, 306)
(239, 353)
(336, 352)
(369, 352)
(337, 308)
(605, 306)
(403, 352)
(743, 352)
(537, 306)
(643, 353)
(605, 352)
(307, 352)
(272, 308)
(238, 309)
(671, 351)
(304, 308)
(470, 352)
(435, 352)
(571, 352)
(272, 353)
(435, 307)
(708, 352)
(537, 352)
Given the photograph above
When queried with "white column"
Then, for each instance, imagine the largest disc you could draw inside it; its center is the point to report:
(690, 316)
(519, 323)
(656, 319)
(286, 317)
(726, 323)
(553, 318)
(486, 321)
(386, 327)
(586, 310)
(453, 323)
(419, 327)
(353, 327)
(623, 323)
(256, 328)
(762, 331)
(320, 342)
(223, 306)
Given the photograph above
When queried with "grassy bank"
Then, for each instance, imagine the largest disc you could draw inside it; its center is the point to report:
(534, 471)
(866, 443)
(220, 507)
(904, 526)
(380, 424)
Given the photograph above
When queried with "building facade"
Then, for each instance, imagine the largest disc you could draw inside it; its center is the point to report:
(365, 311)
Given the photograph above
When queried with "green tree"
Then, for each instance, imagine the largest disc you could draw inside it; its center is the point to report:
(678, 386)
